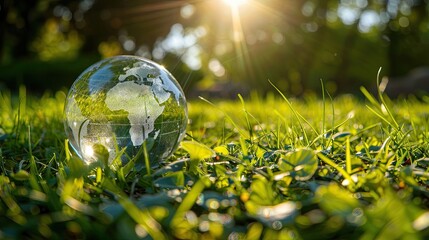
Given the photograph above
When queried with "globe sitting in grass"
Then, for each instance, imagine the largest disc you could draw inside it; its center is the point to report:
(124, 108)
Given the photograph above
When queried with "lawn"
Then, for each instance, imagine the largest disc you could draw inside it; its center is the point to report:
(340, 167)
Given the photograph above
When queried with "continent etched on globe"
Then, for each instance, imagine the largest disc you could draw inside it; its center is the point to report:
(142, 116)
(126, 105)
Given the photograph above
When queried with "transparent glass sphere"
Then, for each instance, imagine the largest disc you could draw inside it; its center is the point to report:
(128, 106)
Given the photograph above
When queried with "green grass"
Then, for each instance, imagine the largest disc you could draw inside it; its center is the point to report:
(272, 168)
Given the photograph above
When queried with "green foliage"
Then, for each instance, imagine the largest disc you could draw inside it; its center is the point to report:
(302, 164)
(52, 44)
(273, 168)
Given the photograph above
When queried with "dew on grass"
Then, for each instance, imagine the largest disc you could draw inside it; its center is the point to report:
(212, 204)
(204, 226)
(140, 231)
(191, 217)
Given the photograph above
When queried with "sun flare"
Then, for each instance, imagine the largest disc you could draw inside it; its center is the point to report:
(235, 3)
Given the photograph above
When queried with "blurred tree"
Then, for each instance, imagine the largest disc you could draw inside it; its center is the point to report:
(23, 23)
(53, 44)
(4, 8)
(132, 23)
(407, 32)
(294, 43)
(68, 29)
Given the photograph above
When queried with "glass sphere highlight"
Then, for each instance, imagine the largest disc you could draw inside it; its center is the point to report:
(127, 106)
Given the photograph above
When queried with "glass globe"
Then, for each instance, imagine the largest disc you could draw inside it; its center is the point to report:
(125, 107)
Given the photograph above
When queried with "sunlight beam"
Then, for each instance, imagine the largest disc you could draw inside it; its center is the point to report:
(239, 40)
(235, 3)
